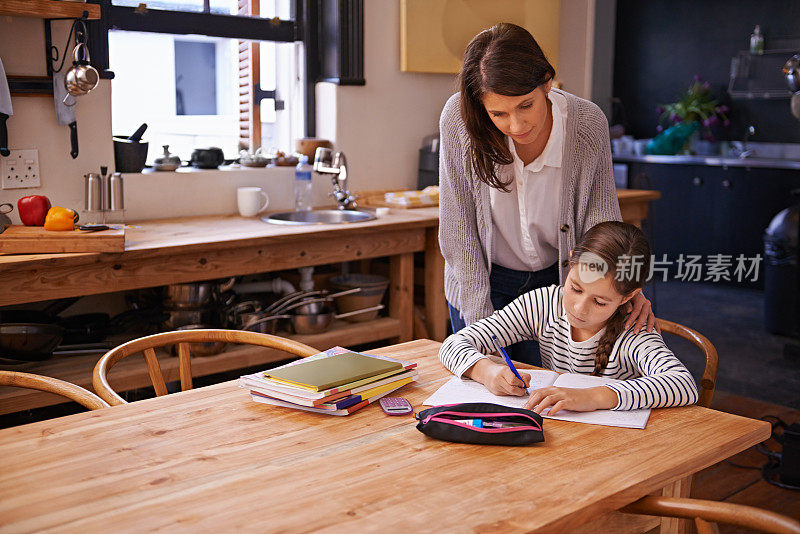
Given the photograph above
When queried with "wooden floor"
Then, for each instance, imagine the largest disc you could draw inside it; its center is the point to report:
(724, 482)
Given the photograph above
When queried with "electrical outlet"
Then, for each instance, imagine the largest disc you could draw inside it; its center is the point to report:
(21, 169)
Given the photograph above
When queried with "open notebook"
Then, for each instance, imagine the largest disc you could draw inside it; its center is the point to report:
(456, 390)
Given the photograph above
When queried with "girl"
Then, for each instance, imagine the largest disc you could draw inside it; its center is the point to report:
(580, 328)
(525, 170)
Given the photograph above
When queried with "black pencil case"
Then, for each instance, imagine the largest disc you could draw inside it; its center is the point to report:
(481, 423)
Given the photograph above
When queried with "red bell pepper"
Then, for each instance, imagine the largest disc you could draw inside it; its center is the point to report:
(33, 209)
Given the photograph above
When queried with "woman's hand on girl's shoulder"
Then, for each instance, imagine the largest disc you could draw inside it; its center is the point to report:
(498, 378)
(641, 313)
(573, 399)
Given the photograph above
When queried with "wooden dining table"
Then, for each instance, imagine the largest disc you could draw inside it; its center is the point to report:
(211, 459)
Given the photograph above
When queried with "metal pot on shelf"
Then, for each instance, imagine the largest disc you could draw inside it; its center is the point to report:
(791, 71)
(264, 324)
(309, 301)
(167, 161)
(200, 348)
(196, 294)
(207, 158)
(314, 323)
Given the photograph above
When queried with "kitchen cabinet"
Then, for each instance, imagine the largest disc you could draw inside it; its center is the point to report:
(202, 248)
(706, 210)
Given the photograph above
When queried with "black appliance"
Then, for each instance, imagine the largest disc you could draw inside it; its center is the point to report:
(428, 162)
(781, 273)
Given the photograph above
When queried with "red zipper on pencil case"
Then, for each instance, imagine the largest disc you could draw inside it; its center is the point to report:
(435, 417)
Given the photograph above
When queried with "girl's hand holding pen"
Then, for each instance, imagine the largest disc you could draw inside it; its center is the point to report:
(499, 379)
(573, 399)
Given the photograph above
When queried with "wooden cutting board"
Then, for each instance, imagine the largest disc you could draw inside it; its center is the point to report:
(18, 239)
(375, 199)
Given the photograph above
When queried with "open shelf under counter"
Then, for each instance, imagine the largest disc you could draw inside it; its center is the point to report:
(131, 373)
(49, 9)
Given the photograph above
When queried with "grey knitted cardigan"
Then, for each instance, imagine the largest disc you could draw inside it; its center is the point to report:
(588, 197)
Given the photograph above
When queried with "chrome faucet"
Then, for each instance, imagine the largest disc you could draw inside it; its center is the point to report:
(747, 152)
(325, 162)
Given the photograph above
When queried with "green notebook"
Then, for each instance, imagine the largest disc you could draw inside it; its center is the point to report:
(327, 373)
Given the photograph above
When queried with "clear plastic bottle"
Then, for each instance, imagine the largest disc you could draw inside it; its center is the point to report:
(302, 185)
(757, 41)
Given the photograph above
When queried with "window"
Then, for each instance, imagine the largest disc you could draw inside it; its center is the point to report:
(197, 90)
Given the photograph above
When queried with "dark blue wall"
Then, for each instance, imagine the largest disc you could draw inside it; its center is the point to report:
(662, 44)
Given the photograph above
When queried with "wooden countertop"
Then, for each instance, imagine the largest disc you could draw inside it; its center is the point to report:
(215, 232)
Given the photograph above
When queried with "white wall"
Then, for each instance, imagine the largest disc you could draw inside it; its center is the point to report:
(34, 124)
(380, 126)
(586, 49)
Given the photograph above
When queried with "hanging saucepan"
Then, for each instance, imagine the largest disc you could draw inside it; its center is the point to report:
(81, 77)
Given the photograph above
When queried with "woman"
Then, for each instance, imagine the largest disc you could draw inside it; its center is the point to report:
(525, 170)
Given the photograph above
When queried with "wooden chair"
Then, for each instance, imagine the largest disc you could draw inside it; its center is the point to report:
(183, 339)
(709, 378)
(707, 513)
(53, 385)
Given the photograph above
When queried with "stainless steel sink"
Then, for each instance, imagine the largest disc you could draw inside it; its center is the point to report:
(318, 217)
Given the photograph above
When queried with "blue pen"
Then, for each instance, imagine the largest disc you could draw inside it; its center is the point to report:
(507, 359)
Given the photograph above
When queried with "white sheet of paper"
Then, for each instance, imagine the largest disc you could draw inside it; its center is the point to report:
(456, 391)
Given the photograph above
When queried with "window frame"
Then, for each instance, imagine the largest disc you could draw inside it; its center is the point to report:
(332, 32)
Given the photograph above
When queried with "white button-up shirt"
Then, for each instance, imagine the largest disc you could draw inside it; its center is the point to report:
(525, 220)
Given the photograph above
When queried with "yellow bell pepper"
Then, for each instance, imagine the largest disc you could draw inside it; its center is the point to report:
(59, 218)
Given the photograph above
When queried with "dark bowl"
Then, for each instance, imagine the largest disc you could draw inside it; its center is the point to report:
(29, 342)
(207, 158)
(129, 156)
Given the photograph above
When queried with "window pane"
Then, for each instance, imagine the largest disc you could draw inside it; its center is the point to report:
(195, 78)
(269, 8)
(188, 91)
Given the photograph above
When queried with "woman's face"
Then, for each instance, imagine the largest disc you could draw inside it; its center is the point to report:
(590, 300)
(522, 118)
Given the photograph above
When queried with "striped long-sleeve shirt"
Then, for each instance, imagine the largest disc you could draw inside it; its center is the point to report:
(653, 377)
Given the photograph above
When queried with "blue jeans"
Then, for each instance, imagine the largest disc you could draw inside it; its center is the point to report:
(505, 285)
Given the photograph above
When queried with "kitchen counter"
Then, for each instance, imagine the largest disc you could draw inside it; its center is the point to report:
(717, 161)
(171, 251)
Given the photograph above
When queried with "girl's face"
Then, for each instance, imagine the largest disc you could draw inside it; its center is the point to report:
(591, 300)
(522, 118)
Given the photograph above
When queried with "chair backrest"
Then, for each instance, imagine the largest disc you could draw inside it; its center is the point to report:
(53, 385)
(184, 338)
(703, 512)
(709, 379)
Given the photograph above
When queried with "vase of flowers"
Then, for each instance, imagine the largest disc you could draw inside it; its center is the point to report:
(694, 113)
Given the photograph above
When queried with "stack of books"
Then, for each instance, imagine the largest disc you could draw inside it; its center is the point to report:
(334, 382)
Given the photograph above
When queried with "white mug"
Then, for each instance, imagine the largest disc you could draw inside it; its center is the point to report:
(251, 201)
